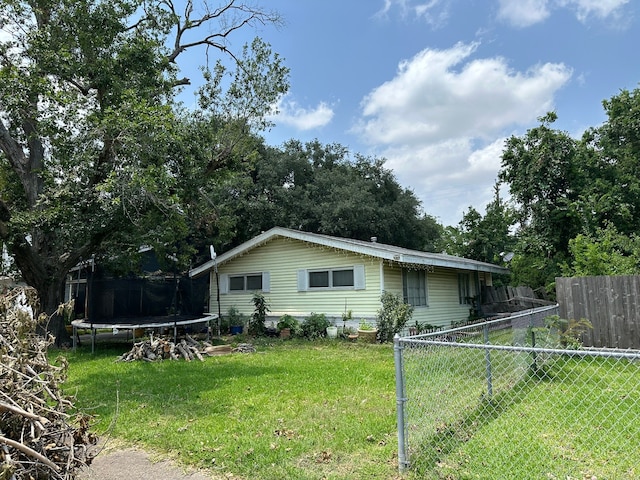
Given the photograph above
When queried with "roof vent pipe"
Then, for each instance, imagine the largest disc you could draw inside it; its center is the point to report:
(374, 239)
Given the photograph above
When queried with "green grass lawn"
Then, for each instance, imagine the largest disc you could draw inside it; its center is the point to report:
(327, 410)
(295, 410)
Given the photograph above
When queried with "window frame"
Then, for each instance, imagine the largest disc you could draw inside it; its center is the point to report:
(464, 288)
(422, 284)
(330, 278)
(359, 278)
(245, 282)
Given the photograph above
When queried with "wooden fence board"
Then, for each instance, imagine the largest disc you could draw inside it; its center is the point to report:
(610, 303)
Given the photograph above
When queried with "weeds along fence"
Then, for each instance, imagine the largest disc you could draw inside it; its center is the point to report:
(506, 399)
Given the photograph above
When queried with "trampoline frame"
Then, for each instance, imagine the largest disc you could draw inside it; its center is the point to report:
(175, 323)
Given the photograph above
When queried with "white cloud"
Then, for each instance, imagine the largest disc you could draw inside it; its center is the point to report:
(434, 12)
(294, 115)
(448, 176)
(441, 121)
(523, 13)
(430, 99)
(597, 8)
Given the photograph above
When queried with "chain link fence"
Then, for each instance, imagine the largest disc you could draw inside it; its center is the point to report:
(516, 398)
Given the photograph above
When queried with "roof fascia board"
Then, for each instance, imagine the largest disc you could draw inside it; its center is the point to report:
(385, 252)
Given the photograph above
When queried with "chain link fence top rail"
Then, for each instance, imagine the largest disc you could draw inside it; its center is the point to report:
(507, 399)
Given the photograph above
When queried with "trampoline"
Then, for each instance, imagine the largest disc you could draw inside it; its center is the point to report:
(135, 323)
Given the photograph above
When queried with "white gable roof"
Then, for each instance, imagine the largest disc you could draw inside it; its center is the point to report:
(372, 249)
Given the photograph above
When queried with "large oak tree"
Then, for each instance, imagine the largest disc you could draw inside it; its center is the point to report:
(90, 135)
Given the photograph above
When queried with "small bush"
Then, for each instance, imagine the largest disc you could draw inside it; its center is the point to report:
(287, 321)
(392, 317)
(569, 332)
(233, 319)
(259, 316)
(315, 326)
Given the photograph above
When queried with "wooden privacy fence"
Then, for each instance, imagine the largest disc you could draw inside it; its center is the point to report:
(610, 303)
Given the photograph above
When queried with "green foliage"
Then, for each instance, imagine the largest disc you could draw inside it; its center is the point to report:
(392, 317)
(292, 323)
(605, 253)
(92, 138)
(365, 325)
(315, 326)
(257, 325)
(483, 238)
(568, 332)
(325, 189)
(233, 319)
(578, 201)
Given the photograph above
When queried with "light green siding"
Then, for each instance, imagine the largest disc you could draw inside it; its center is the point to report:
(442, 295)
(282, 258)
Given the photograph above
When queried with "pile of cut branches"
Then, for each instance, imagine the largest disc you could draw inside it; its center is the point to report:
(38, 438)
(159, 348)
(156, 349)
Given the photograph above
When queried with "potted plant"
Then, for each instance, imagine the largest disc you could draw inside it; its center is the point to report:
(287, 326)
(366, 332)
(236, 321)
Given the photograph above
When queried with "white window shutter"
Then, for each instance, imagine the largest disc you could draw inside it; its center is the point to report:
(266, 282)
(358, 277)
(223, 283)
(302, 280)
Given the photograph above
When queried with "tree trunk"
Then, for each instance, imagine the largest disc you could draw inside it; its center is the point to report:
(49, 282)
(53, 295)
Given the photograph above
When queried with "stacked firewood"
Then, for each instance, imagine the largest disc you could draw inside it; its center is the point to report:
(39, 439)
(157, 348)
(160, 348)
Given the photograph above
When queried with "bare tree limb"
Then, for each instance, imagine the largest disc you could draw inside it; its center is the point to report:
(30, 452)
(245, 16)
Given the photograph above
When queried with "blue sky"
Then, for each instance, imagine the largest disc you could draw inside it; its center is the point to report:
(435, 86)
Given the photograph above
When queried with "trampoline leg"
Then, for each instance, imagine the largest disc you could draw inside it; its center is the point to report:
(93, 340)
(75, 332)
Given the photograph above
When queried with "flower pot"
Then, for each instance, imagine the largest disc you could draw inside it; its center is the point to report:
(235, 329)
(332, 332)
(285, 333)
(367, 336)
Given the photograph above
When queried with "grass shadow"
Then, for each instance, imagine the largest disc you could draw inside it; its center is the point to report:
(449, 437)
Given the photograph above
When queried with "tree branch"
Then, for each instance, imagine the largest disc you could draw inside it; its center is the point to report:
(245, 16)
(29, 452)
(13, 151)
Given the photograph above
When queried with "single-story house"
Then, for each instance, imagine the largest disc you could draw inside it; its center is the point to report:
(300, 273)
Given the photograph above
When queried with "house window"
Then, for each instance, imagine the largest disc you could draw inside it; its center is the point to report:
(414, 287)
(331, 278)
(245, 283)
(464, 290)
(326, 278)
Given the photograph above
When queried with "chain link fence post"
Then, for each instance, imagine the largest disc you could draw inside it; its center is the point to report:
(403, 462)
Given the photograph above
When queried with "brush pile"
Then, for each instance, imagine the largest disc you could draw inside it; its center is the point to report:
(159, 348)
(38, 438)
